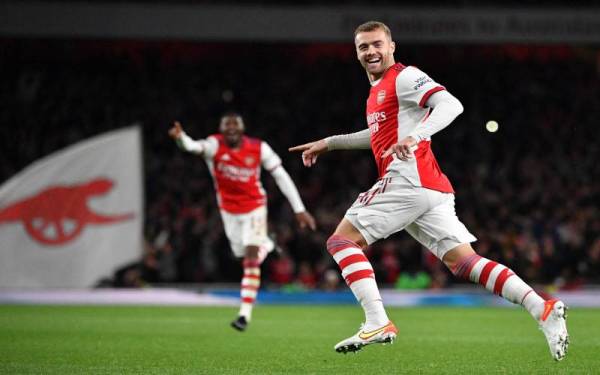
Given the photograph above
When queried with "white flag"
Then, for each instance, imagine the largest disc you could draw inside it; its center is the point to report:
(75, 216)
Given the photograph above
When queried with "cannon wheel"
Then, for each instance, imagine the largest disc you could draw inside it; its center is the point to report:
(62, 237)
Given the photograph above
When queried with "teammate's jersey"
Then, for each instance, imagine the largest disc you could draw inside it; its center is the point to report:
(236, 172)
(396, 105)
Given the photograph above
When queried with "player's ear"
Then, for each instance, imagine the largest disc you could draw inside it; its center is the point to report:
(356, 49)
(392, 47)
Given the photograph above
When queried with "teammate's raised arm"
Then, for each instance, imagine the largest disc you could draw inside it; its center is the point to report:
(176, 130)
(185, 142)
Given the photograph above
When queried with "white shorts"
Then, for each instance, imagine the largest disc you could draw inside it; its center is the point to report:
(249, 229)
(394, 204)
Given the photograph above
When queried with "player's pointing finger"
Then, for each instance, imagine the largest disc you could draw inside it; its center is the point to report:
(303, 147)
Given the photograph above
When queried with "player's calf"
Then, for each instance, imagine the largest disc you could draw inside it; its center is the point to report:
(500, 280)
(358, 274)
(497, 278)
(248, 292)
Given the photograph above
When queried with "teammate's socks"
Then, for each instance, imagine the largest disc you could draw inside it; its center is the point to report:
(249, 287)
(359, 275)
(500, 280)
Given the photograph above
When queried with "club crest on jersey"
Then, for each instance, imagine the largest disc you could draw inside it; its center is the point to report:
(249, 160)
(380, 96)
(225, 157)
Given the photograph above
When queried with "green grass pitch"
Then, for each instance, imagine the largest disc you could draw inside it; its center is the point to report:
(283, 339)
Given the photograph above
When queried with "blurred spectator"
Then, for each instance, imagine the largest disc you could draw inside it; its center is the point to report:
(281, 270)
(306, 276)
(331, 280)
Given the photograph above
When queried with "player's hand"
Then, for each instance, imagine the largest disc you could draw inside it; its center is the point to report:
(176, 131)
(306, 220)
(403, 149)
(310, 151)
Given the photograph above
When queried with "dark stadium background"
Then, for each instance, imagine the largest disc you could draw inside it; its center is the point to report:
(529, 192)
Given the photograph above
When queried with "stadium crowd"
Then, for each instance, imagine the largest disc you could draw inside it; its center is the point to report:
(529, 192)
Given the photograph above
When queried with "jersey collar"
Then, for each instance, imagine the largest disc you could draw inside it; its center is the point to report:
(375, 83)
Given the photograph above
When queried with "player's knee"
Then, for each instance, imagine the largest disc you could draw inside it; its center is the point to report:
(337, 240)
(458, 259)
(346, 230)
(451, 264)
(361, 242)
(331, 241)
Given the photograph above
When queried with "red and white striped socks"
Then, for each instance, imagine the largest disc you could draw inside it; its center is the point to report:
(359, 275)
(500, 280)
(249, 287)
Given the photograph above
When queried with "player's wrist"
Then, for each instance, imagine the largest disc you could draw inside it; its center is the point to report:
(298, 208)
(415, 138)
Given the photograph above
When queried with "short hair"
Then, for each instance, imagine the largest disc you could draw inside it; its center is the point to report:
(372, 26)
(234, 114)
(231, 114)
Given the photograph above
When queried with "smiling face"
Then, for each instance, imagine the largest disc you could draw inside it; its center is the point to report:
(232, 128)
(375, 52)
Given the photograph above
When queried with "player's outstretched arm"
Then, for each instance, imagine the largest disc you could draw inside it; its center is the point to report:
(352, 141)
(288, 188)
(271, 162)
(184, 141)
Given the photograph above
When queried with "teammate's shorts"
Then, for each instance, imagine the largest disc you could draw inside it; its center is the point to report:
(394, 204)
(248, 229)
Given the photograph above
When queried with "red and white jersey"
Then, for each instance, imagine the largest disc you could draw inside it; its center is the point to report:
(236, 172)
(396, 105)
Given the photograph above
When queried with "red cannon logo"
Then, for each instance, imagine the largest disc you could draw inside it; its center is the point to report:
(58, 214)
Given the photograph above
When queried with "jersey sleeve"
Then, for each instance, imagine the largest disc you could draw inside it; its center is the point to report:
(211, 145)
(413, 85)
(268, 158)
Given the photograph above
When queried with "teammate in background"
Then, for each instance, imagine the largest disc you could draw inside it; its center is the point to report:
(235, 161)
(404, 109)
